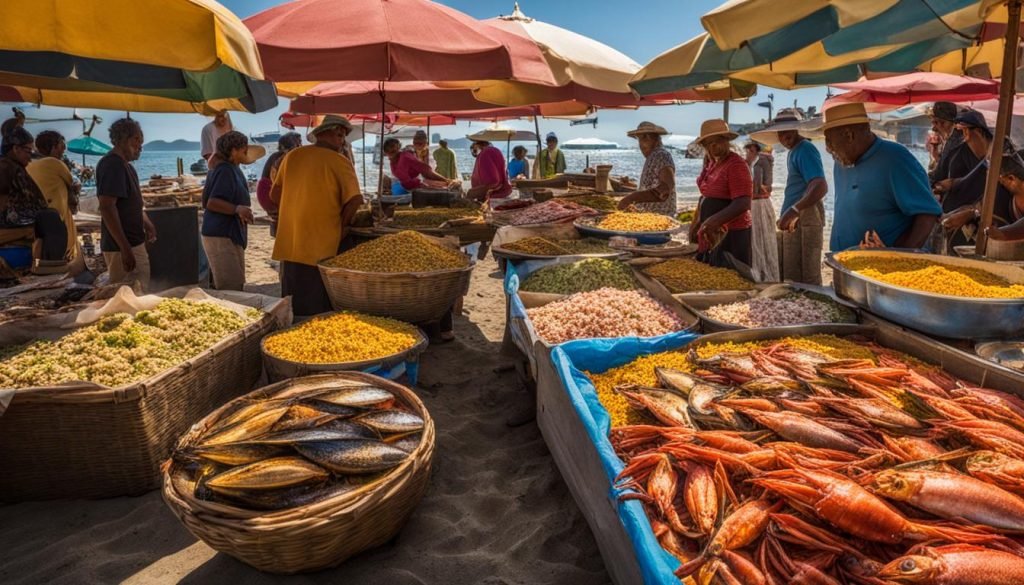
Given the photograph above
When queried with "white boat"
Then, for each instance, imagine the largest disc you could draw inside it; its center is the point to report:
(589, 144)
(266, 137)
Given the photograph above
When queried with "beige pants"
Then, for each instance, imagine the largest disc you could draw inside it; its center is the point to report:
(140, 274)
(227, 262)
(800, 250)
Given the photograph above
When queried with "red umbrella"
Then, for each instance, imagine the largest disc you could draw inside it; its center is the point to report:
(388, 40)
(911, 88)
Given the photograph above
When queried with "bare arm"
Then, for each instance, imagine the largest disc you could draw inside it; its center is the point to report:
(735, 208)
(660, 192)
(917, 234)
(815, 192)
(348, 211)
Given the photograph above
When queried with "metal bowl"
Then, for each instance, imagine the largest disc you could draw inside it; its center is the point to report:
(1005, 353)
(586, 226)
(939, 315)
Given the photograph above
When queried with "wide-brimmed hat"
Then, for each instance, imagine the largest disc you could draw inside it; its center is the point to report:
(785, 120)
(332, 121)
(716, 127)
(647, 128)
(845, 115)
(253, 153)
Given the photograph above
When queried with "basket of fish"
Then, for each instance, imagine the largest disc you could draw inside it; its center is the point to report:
(303, 474)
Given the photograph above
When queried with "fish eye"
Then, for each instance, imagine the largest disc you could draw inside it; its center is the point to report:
(908, 565)
(897, 483)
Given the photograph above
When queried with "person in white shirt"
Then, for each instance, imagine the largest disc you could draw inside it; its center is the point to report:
(220, 126)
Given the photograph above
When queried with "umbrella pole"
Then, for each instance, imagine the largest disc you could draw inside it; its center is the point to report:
(380, 146)
(508, 145)
(364, 152)
(725, 110)
(428, 134)
(536, 162)
(1007, 84)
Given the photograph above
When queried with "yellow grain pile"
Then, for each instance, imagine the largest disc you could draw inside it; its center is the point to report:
(928, 276)
(828, 345)
(406, 251)
(626, 221)
(341, 338)
(682, 275)
(639, 371)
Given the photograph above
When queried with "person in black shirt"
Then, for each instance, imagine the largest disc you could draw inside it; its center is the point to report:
(125, 228)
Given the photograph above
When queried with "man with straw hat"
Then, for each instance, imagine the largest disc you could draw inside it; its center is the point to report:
(802, 216)
(318, 194)
(882, 193)
(722, 227)
(656, 191)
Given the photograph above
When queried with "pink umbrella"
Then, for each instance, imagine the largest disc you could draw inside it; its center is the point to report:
(388, 40)
(911, 88)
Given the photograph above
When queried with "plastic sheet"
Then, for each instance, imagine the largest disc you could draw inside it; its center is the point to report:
(570, 360)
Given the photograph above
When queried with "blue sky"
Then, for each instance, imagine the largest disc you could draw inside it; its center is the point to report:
(641, 29)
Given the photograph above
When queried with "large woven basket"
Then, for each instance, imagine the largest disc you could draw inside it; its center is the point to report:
(414, 297)
(282, 369)
(88, 441)
(319, 535)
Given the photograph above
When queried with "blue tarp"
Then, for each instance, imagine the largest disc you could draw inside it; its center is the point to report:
(570, 360)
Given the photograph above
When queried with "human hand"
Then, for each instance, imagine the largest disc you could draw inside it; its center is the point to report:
(958, 218)
(625, 202)
(872, 240)
(994, 233)
(943, 186)
(244, 213)
(789, 220)
(150, 230)
(128, 260)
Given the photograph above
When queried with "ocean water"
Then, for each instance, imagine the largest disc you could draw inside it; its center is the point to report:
(624, 162)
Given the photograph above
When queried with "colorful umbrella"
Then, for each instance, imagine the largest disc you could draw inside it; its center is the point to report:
(310, 41)
(182, 50)
(88, 145)
(919, 87)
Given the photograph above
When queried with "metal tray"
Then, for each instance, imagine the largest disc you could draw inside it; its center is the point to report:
(959, 363)
(940, 315)
(699, 304)
(1008, 354)
(586, 227)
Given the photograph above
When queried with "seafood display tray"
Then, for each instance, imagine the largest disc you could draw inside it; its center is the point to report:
(939, 315)
(581, 452)
(700, 304)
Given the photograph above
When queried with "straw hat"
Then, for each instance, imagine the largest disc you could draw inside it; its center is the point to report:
(332, 121)
(647, 128)
(715, 128)
(253, 153)
(787, 119)
(845, 115)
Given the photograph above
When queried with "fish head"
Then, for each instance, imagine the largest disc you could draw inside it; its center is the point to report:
(897, 485)
(912, 569)
(859, 566)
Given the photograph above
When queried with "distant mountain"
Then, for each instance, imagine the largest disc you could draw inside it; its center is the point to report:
(174, 145)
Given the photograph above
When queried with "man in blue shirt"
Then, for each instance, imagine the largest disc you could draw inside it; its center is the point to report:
(802, 217)
(882, 192)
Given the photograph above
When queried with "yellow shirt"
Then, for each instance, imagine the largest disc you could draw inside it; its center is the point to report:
(54, 180)
(315, 183)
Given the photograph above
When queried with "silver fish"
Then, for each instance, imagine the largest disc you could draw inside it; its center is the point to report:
(248, 428)
(353, 456)
(358, 397)
(300, 416)
(391, 421)
(676, 380)
(665, 405)
(407, 442)
(339, 410)
(285, 498)
(239, 453)
(323, 433)
(277, 473)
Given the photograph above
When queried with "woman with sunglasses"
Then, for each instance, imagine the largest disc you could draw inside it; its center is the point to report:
(21, 201)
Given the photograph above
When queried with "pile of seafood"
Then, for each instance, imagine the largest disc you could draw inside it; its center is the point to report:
(929, 276)
(406, 251)
(582, 276)
(683, 275)
(342, 337)
(539, 246)
(606, 312)
(629, 221)
(276, 453)
(824, 460)
(795, 308)
(123, 349)
(551, 211)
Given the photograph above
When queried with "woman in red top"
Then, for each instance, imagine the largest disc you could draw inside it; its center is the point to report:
(725, 187)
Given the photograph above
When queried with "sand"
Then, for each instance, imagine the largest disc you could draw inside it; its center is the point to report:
(496, 511)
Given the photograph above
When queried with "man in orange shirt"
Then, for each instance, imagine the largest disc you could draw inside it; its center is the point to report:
(318, 194)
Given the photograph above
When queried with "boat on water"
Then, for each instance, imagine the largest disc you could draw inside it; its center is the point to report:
(199, 167)
(266, 137)
(589, 144)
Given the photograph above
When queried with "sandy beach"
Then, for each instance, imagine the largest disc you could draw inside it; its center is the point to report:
(496, 511)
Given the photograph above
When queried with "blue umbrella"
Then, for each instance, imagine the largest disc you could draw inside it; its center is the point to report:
(88, 145)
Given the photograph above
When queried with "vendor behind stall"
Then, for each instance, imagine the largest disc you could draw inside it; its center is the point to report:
(518, 167)
(722, 226)
(1008, 212)
(21, 201)
(409, 171)
(551, 161)
(490, 175)
(882, 191)
(656, 192)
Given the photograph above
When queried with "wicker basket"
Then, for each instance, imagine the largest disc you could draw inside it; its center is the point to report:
(87, 441)
(281, 369)
(319, 535)
(414, 297)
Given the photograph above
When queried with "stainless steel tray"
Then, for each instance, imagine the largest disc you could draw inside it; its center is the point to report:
(959, 363)
(699, 305)
(940, 315)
